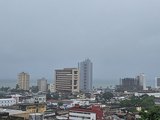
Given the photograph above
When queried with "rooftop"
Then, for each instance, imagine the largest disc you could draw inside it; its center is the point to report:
(12, 112)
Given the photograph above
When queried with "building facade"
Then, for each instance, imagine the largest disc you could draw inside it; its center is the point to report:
(157, 82)
(67, 80)
(51, 88)
(7, 102)
(142, 80)
(33, 108)
(130, 84)
(23, 81)
(85, 68)
(42, 84)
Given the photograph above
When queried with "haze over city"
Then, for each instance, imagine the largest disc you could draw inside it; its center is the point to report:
(121, 38)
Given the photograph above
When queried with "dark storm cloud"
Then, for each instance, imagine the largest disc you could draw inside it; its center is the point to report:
(122, 38)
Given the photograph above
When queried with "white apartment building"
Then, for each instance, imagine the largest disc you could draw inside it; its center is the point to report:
(142, 80)
(85, 68)
(7, 102)
(67, 80)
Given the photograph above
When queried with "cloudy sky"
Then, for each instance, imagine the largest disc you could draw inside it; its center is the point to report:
(121, 37)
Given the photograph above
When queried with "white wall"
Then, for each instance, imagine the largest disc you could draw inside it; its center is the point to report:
(82, 115)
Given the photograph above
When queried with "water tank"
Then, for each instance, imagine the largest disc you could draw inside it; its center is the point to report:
(36, 116)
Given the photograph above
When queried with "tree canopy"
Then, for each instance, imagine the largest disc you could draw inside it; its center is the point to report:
(107, 96)
(151, 114)
(144, 101)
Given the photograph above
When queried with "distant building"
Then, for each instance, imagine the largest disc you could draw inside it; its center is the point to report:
(67, 80)
(85, 68)
(155, 94)
(42, 84)
(84, 113)
(130, 84)
(157, 82)
(142, 81)
(23, 81)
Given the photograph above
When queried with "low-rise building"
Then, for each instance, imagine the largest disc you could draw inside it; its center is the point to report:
(13, 114)
(86, 113)
(34, 99)
(7, 102)
(40, 98)
(157, 94)
(51, 87)
(33, 108)
(16, 97)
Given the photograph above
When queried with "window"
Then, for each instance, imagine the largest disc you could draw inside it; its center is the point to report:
(75, 72)
(75, 82)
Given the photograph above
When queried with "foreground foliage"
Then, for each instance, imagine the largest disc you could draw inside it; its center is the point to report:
(151, 114)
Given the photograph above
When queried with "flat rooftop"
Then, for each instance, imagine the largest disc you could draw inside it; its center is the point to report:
(12, 112)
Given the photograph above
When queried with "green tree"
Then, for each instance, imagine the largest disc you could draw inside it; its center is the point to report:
(34, 89)
(146, 102)
(5, 89)
(2, 94)
(107, 96)
(152, 114)
(17, 86)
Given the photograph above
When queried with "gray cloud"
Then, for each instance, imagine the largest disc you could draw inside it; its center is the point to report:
(120, 37)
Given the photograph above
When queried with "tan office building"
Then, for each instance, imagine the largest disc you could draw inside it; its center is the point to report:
(67, 80)
(23, 81)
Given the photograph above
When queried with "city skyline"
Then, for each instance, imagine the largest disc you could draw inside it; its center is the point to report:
(121, 38)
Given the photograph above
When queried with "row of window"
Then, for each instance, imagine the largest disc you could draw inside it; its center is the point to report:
(7, 101)
(6, 105)
(81, 112)
(84, 118)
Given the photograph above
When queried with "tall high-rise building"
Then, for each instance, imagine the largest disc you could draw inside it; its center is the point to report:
(85, 68)
(157, 82)
(67, 80)
(42, 84)
(142, 80)
(23, 80)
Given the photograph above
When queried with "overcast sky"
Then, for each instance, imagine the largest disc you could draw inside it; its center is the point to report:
(121, 37)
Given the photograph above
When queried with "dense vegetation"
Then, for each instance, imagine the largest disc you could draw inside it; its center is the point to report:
(104, 97)
(144, 101)
(151, 114)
